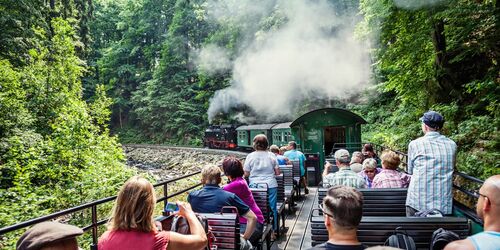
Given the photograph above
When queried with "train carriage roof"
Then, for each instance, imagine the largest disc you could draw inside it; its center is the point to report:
(336, 113)
(282, 125)
(256, 126)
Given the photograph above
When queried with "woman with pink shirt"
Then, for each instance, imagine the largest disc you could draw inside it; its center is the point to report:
(233, 169)
(132, 225)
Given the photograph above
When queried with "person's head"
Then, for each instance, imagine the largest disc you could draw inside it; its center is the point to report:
(431, 121)
(49, 236)
(342, 208)
(283, 149)
(211, 175)
(488, 203)
(232, 167)
(292, 145)
(390, 160)
(370, 168)
(357, 157)
(368, 151)
(274, 149)
(134, 206)
(260, 142)
(342, 157)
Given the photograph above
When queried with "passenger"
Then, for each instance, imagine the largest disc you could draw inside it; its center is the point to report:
(345, 176)
(369, 171)
(233, 169)
(261, 166)
(488, 209)
(132, 225)
(342, 210)
(356, 162)
(431, 160)
(368, 152)
(280, 158)
(294, 155)
(390, 177)
(50, 235)
(211, 198)
(283, 149)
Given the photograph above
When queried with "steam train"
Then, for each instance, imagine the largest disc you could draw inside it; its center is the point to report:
(316, 132)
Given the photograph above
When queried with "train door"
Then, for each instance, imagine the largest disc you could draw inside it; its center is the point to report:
(334, 136)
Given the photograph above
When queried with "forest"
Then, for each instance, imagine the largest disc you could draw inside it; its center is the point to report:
(80, 77)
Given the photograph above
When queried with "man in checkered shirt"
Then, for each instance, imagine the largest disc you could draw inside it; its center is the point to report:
(431, 161)
(345, 176)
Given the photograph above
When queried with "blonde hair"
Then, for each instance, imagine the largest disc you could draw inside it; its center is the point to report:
(211, 174)
(274, 149)
(134, 206)
(283, 149)
(390, 160)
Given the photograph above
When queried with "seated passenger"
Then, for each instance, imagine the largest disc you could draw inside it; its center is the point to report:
(49, 235)
(280, 158)
(488, 209)
(356, 162)
(369, 171)
(342, 210)
(211, 198)
(132, 225)
(368, 152)
(389, 176)
(233, 169)
(345, 176)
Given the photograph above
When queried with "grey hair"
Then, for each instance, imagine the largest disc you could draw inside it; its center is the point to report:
(369, 163)
(357, 155)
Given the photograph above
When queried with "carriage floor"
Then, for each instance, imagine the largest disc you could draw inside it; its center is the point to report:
(298, 233)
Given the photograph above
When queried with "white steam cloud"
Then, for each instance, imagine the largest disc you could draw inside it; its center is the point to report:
(313, 55)
(213, 59)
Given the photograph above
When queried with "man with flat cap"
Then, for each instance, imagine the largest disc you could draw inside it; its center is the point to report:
(431, 160)
(49, 235)
(488, 209)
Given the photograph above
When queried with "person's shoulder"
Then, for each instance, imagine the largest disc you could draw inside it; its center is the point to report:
(464, 244)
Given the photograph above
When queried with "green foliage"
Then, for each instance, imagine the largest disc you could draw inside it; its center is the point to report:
(443, 58)
(54, 146)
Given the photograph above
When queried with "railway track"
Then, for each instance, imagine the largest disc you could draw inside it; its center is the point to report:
(198, 149)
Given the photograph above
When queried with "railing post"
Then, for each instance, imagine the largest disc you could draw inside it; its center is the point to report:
(94, 227)
(165, 193)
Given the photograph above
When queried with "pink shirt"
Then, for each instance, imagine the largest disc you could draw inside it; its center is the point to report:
(239, 187)
(133, 239)
(388, 178)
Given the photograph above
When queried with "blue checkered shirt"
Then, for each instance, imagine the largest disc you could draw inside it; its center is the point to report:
(344, 177)
(431, 159)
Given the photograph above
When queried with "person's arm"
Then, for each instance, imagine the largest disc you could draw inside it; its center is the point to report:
(327, 169)
(251, 224)
(277, 170)
(196, 240)
(411, 153)
(460, 245)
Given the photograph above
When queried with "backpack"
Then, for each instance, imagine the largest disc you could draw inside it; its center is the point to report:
(400, 240)
(175, 223)
(441, 237)
(429, 213)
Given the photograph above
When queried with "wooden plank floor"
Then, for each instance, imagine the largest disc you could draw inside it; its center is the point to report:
(298, 235)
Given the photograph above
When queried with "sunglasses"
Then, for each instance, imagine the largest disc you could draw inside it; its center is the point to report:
(323, 210)
(477, 194)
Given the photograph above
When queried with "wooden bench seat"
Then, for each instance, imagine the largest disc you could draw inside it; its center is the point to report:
(379, 202)
(226, 229)
(261, 197)
(374, 230)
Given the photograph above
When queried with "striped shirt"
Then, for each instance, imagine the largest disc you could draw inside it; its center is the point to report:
(344, 177)
(388, 178)
(431, 159)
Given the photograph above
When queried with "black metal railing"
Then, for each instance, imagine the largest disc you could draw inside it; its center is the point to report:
(95, 223)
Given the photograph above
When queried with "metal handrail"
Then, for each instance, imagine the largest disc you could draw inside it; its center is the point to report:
(93, 205)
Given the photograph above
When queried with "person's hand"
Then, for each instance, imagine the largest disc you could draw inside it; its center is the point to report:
(184, 209)
(243, 236)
